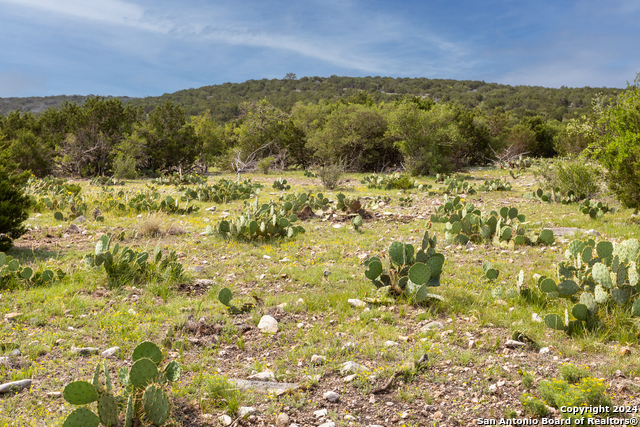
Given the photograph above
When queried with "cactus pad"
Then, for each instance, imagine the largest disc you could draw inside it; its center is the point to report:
(566, 288)
(601, 295)
(374, 271)
(546, 237)
(635, 310)
(601, 275)
(147, 350)
(604, 249)
(224, 296)
(80, 393)
(172, 371)
(590, 302)
(128, 415)
(81, 417)
(548, 285)
(419, 274)
(435, 264)
(142, 372)
(580, 312)
(619, 295)
(633, 274)
(156, 405)
(123, 374)
(108, 410)
(505, 233)
(554, 321)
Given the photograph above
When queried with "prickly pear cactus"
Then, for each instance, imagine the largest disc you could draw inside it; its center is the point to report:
(108, 410)
(81, 417)
(80, 393)
(147, 350)
(156, 405)
(143, 371)
(172, 371)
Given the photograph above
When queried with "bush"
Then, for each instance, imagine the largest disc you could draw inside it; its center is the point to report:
(619, 145)
(124, 167)
(14, 205)
(571, 175)
(265, 164)
(330, 175)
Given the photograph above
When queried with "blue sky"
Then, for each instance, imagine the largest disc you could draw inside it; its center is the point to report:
(145, 47)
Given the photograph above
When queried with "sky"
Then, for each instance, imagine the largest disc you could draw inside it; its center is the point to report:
(150, 47)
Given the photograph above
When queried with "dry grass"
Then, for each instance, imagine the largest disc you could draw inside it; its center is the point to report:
(151, 226)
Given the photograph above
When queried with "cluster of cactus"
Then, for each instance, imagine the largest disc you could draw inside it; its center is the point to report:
(596, 210)
(55, 194)
(105, 181)
(225, 295)
(178, 179)
(348, 204)
(127, 265)
(357, 222)
(300, 201)
(223, 191)
(456, 185)
(143, 398)
(13, 275)
(556, 196)
(266, 221)
(495, 185)
(505, 228)
(593, 275)
(281, 184)
(410, 273)
(373, 203)
(499, 292)
(147, 201)
(395, 181)
(310, 174)
(49, 186)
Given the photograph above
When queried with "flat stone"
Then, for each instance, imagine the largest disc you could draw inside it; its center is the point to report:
(85, 351)
(268, 324)
(535, 317)
(328, 424)
(593, 232)
(432, 325)
(320, 413)
(264, 386)
(110, 352)
(282, 420)
(514, 344)
(225, 420)
(544, 350)
(563, 231)
(351, 367)
(331, 396)
(349, 378)
(263, 376)
(204, 282)
(80, 220)
(246, 410)
(350, 346)
(54, 394)
(357, 303)
(15, 386)
(74, 229)
(390, 343)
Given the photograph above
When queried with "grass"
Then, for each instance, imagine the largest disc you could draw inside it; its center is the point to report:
(82, 310)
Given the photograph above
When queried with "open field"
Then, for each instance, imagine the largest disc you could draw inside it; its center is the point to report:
(305, 283)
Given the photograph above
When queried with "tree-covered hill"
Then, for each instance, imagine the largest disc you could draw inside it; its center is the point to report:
(224, 100)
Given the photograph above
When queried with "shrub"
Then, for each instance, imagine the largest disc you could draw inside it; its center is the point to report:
(570, 175)
(14, 205)
(265, 164)
(330, 175)
(124, 167)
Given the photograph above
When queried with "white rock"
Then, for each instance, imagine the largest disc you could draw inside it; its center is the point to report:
(331, 396)
(432, 325)
(328, 424)
(390, 343)
(15, 386)
(263, 376)
(356, 303)
(268, 324)
(535, 317)
(351, 367)
(514, 344)
(317, 359)
(593, 232)
(246, 410)
(225, 420)
(320, 413)
(544, 350)
(80, 219)
(110, 352)
(266, 257)
(350, 378)
(350, 346)
(282, 420)
(493, 388)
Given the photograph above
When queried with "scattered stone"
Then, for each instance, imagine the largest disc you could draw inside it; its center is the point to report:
(198, 269)
(351, 367)
(331, 396)
(59, 341)
(536, 277)
(15, 352)
(326, 273)
(493, 388)
(390, 343)
(593, 232)
(204, 282)
(263, 376)
(80, 220)
(388, 403)
(282, 420)
(500, 302)
(211, 209)
(372, 399)
(264, 386)
(110, 352)
(620, 374)
(404, 415)
(472, 344)
(432, 325)
(403, 338)
(563, 231)
(469, 245)
(430, 408)
(320, 413)
(74, 229)
(328, 424)
(535, 317)
(318, 360)
(225, 420)
(54, 394)
(268, 324)
(624, 351)
(85, 351)
(246, 410)
(544, 350)
(514, 344)
(357, 303)
(15, 386)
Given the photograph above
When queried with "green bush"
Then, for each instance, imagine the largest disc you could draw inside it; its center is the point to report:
(124, 167)
(330, 175)
(619, 145)
(14, 205)
(265, 164)
(571, 175)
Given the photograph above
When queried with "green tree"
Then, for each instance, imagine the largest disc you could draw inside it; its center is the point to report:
(14, 205)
